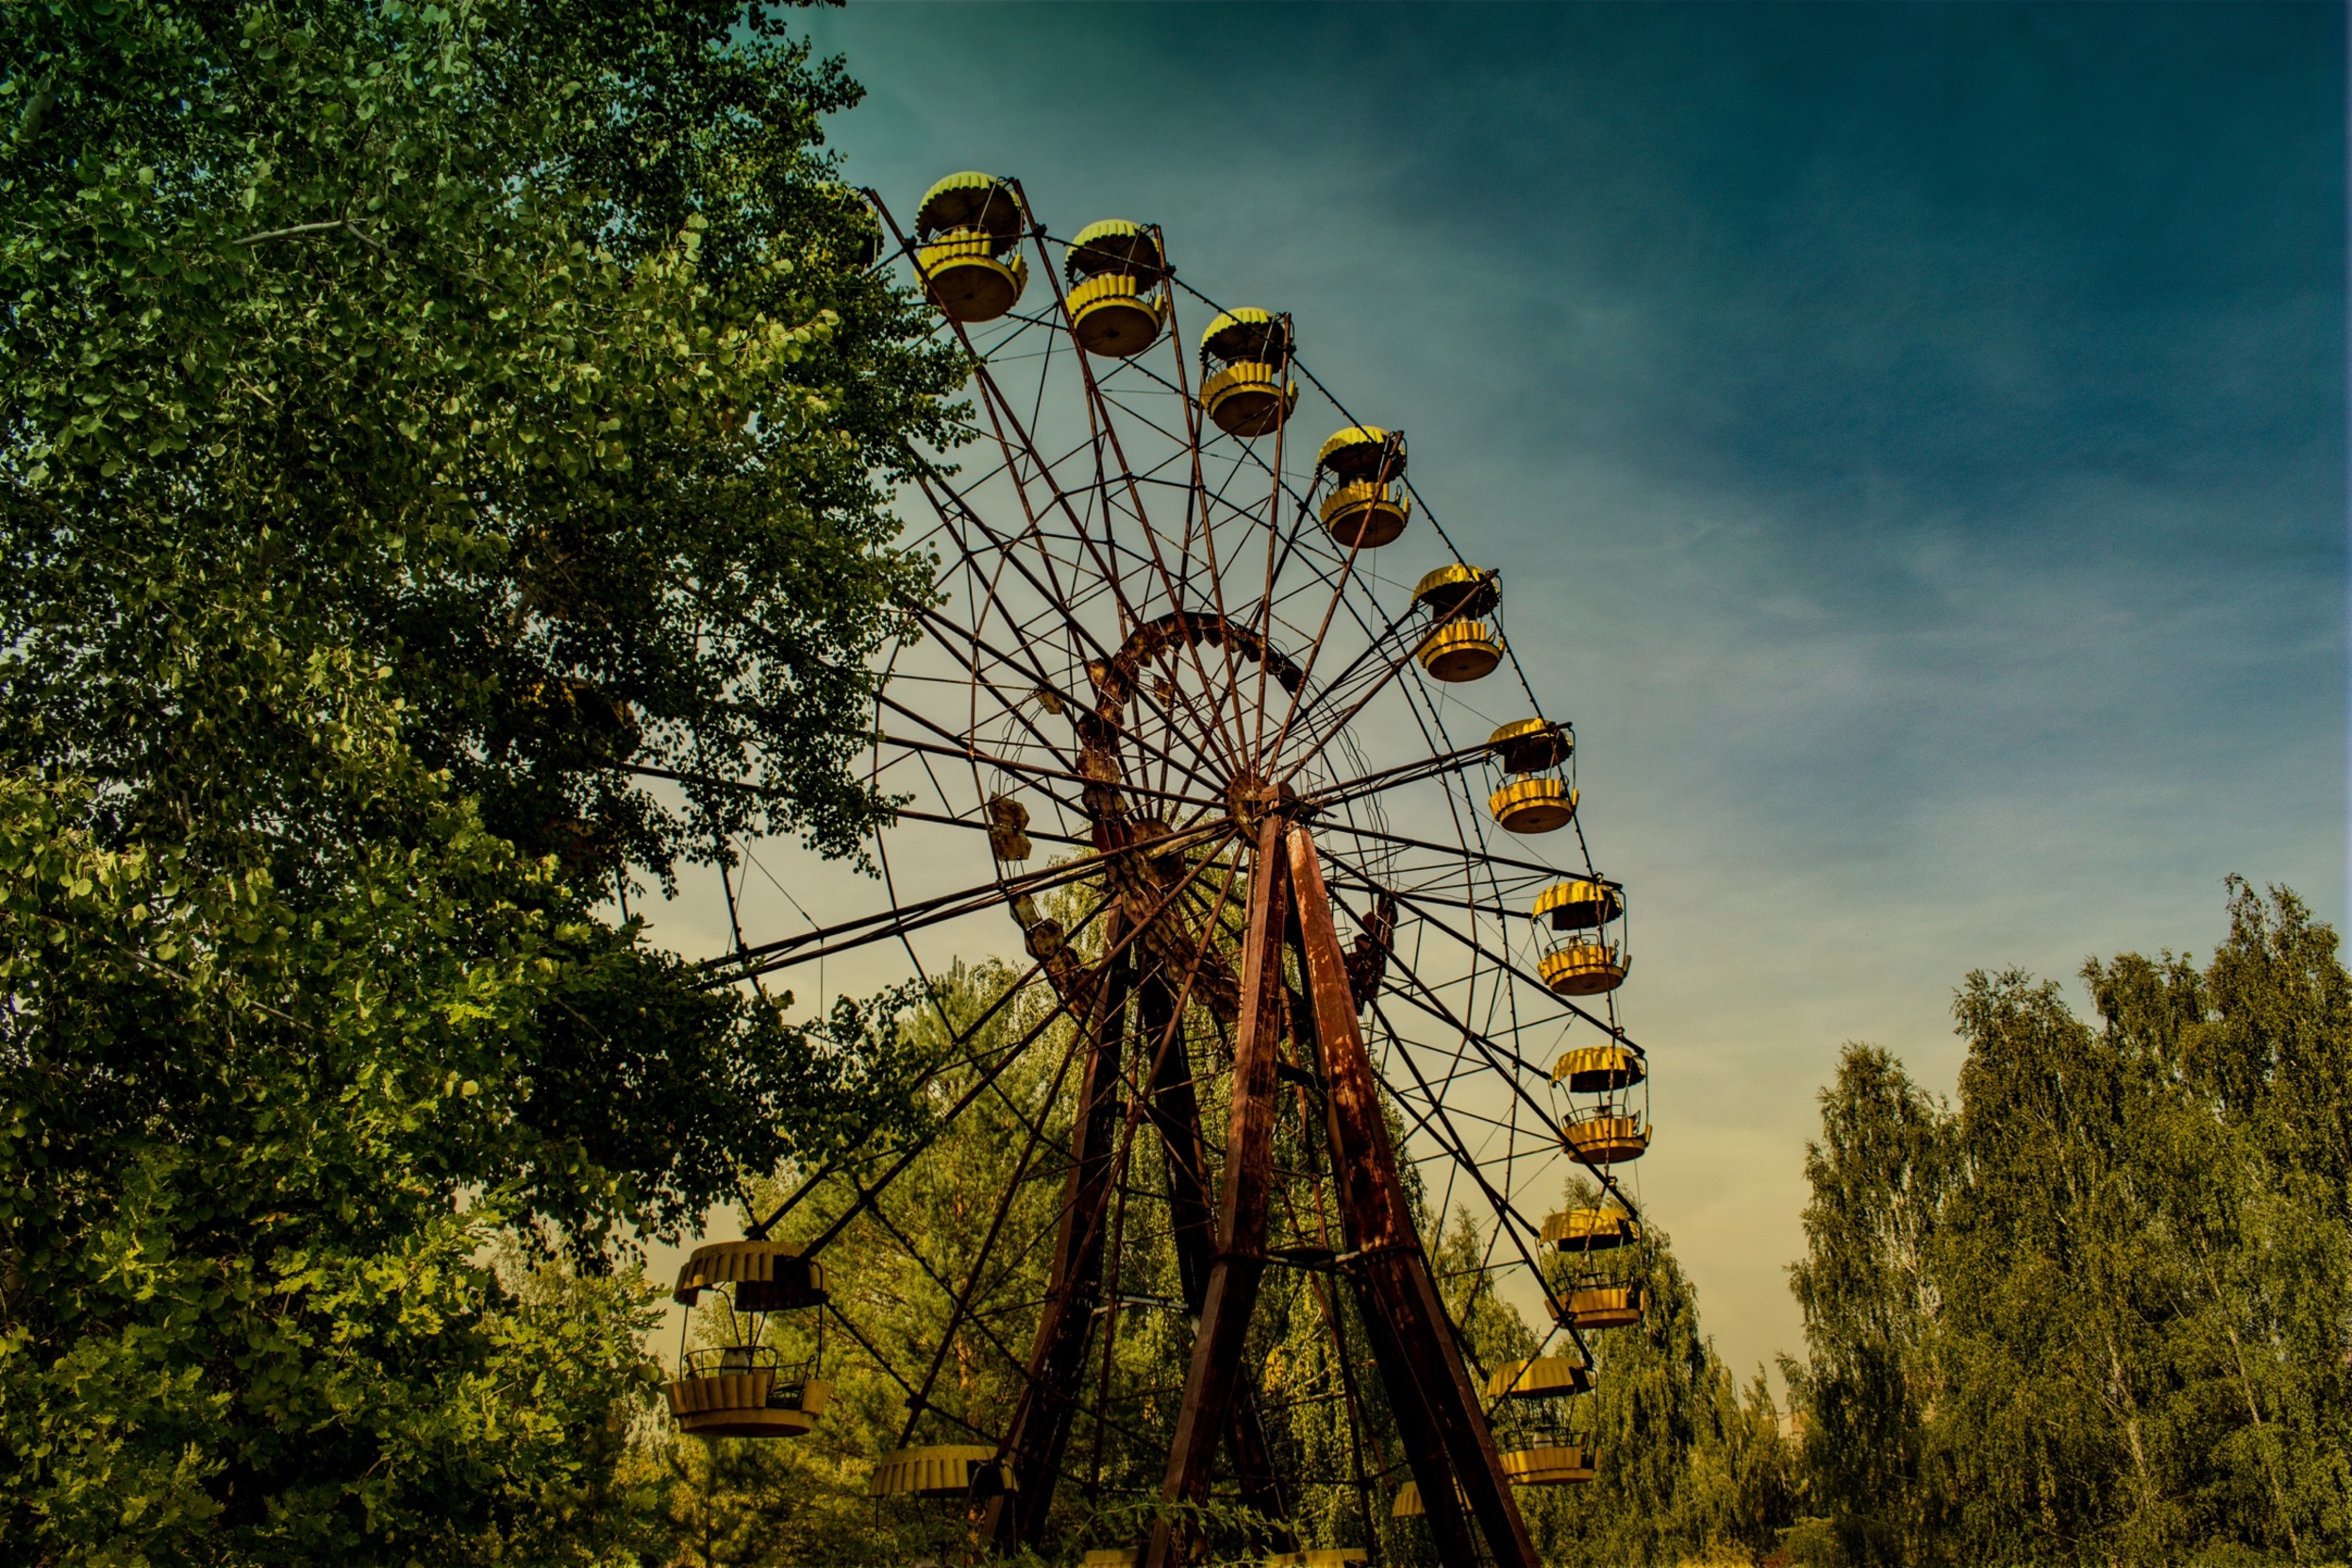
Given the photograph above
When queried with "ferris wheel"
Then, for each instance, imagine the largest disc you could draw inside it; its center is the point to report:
(1210, 706)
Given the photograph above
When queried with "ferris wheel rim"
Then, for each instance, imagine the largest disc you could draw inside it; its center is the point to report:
(1476, 853)
(1214, 836)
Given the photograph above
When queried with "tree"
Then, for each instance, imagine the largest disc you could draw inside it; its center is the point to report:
(244, 1319)
(415, 422)
(2062, 1295)
(2099, 1314)
(2257, 1207)
(522, 346)
(1878, 1175)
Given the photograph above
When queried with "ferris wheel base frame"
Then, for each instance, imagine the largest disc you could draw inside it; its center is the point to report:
(1448, 1443)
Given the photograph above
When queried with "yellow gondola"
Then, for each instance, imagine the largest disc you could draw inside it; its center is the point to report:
(1318, 1557)
(1409, 1506)
(1542, 1377)
(1550, 1465)
(1118, 302)
(1531, 745)
(1242, 358)
(1366, 514)
(1537, 799)
(970, 225)
(964, 278)
(1363, 452)
(1367, 507)
(1459, 648)
(1598, 1069)
(1533, 805)
(1603, 1306)
(1580, 904)
(1581, 968)
(942, 1470)
(972, 200)
(1464, 650)
(1457, 592)
(1117, 246)
(1113, 1557)
(1246, 335)
(735, 1396)
(1582, 1231)
(1113, 315)
(1607, 1138)
(766, 1276)
(744, 1389)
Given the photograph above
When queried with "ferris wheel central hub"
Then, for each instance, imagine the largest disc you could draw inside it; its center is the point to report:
(1250, 800)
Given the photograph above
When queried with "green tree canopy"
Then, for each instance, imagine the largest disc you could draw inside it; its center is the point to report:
(2098, 1311)
(522, 347)
(416, 421)
(1877, 1178)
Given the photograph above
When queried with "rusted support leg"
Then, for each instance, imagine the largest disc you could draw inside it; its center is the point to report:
(1307, 1054)
(1253, 1468)
(1424, 1451)
(1391, 1272)
(1239, 1260)
(1424, 1448)
(1176, 1117)
(1040, 1432)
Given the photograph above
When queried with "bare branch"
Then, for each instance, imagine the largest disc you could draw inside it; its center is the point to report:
(321, 228)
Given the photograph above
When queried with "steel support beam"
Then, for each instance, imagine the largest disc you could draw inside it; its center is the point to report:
(1039, 1433)
(1174, 1113)
(1446, 1440)
(1211, 1383)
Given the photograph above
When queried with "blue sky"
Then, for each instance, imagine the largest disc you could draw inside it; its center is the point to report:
(1914, 437)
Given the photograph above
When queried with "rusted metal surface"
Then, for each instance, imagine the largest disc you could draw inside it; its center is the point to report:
(1239, 1260)
(1421, 1366)
(1039, 1433)
(1306, 1057)
(1417, 1428)
(1253, 1468)
(1174, 1113)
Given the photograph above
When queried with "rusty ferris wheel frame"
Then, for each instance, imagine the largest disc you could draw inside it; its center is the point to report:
(1151, 648)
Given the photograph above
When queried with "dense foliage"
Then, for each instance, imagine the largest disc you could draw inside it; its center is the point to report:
(2101, 1310)
(520, 345)
(412, 418)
